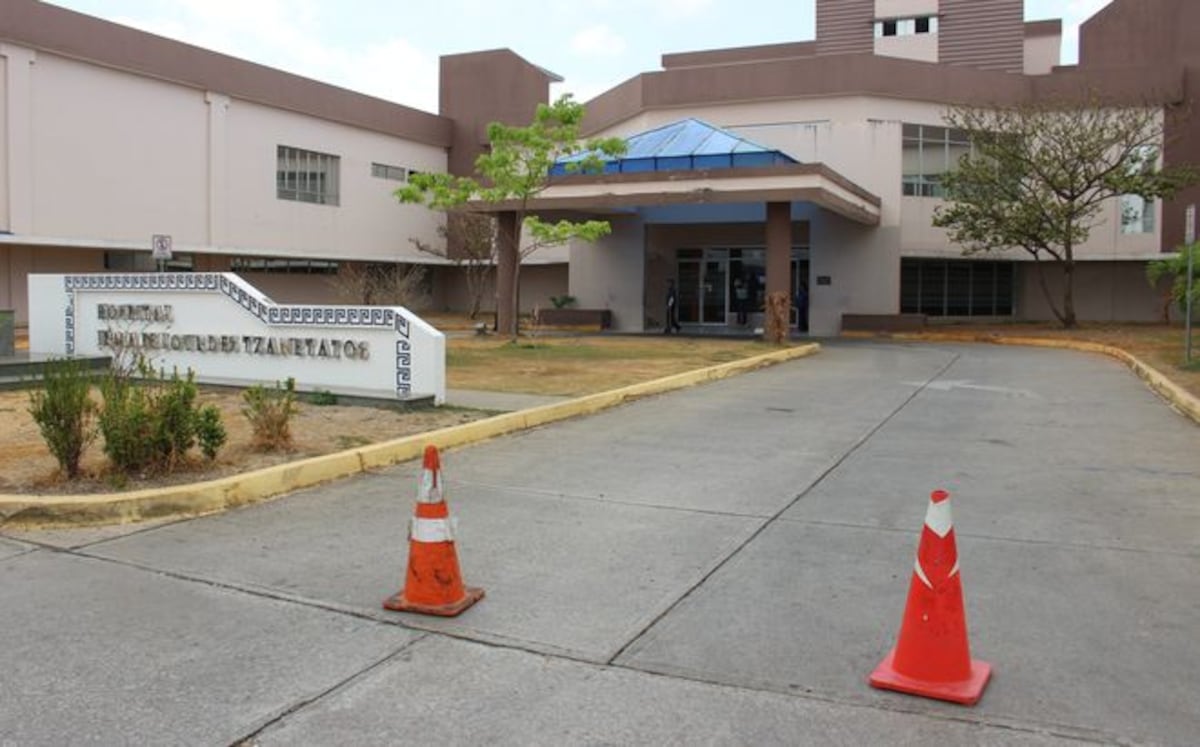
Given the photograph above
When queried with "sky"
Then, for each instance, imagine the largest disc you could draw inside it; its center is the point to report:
(390, 48)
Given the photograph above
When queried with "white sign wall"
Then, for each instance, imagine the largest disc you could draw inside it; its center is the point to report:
(228, 332)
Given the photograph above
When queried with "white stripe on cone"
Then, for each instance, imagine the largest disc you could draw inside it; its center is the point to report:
(938, 518)
(432, 530)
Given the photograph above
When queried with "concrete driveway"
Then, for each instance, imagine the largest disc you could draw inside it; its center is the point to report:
(721, 565)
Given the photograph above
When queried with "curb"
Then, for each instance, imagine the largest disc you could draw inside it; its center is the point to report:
(196, 499)
(1180, 399)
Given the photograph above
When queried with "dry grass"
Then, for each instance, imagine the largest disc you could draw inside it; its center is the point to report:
(574, 366)
(27, 467)
(1159, 345)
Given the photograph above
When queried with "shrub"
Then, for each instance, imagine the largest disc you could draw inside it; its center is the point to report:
(562, 302)
(210, 431)
(151, 424)
(322, 398)
(64, 412)
(270, 414)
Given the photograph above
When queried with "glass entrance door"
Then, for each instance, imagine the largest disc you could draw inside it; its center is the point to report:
(713, 307)
(689, 290)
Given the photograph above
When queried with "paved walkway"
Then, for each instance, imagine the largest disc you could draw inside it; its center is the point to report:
(497, 401)
(724, 564)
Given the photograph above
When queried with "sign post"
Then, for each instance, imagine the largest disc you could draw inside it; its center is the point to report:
(1190, 248)
(160, 247)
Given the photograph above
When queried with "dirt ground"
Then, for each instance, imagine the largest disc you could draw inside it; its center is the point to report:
(26, 465)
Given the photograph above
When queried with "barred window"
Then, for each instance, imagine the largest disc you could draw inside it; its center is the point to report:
(383, 171)
(307, 176)
(938, 287)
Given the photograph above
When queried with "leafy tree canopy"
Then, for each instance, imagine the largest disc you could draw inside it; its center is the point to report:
(1038, 176)
(514, 171)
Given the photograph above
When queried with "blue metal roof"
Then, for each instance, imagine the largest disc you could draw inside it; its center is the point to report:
(687, 145)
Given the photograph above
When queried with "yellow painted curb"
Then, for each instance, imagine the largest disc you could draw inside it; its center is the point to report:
(1175, 395)
(216, 495)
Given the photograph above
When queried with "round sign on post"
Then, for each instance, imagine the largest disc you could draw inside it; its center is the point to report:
(161, 247)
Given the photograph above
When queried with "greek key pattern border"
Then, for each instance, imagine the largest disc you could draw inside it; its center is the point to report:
(265, 311)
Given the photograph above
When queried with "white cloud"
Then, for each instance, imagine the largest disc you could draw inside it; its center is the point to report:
(286, 34)
(598, 41)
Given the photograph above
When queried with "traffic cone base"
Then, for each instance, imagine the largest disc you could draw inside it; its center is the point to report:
(965, 692)
(398, 603)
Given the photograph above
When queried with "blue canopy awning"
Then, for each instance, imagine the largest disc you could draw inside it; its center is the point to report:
(686, 145)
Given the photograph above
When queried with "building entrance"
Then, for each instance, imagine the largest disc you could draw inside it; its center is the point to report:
(726, 287)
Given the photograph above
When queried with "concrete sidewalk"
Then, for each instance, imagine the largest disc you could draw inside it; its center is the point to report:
(498, 401)
(720, 565)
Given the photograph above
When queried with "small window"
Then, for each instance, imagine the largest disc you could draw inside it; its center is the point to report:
(889, 28)
(923, 25)
(306, 176)
(384, 171)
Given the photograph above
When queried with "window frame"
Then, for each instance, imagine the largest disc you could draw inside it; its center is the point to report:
(307, 176)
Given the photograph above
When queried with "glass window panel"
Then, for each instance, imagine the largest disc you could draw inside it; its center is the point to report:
(958, 289)
(910, 287)
(933, 288)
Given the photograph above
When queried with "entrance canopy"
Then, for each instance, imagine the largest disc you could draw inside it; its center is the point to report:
(693, 163)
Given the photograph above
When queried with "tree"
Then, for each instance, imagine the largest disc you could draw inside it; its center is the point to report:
(1176, 269)
(512, 173)
(470, 243)
(381, 283)
(1038, 175)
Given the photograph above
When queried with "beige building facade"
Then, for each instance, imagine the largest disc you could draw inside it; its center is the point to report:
(111, 136)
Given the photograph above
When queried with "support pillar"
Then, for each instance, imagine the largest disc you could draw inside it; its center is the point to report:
(507, 257)
(779, 271)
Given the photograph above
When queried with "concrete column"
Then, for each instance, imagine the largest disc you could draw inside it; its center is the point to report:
(507, 258)
(218, 168)
(779, 261)
(18, 137)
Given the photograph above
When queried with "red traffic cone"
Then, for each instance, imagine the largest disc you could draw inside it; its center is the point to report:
(932, 657)
(434, 584)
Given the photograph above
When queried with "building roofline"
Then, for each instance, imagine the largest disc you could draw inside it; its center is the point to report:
(872, 75)
(1048, 27)
(757, 53)
(66, 33)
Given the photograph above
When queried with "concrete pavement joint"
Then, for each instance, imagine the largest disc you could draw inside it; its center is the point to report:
(1061, 731)
(198, 499)
(535, 649)
(998, 538)
(771, 520)
(606, 500)
(306, 702)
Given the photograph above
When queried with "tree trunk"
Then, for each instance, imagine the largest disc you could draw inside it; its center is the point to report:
(507, 261)
(1037, 261)
(1068, 318)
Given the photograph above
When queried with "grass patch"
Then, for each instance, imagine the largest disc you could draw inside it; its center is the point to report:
(351, 442)
(575, 366)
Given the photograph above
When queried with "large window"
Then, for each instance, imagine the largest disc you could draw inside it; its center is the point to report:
(1137, 213)
(938, 287)
(307, 176)
(929, 153)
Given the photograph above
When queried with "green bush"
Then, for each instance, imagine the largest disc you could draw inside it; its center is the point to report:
(210, 431)
(64, 411)
(151, 424)
(322, 398)
(270, 414)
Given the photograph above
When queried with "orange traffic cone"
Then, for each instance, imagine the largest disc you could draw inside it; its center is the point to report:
(434, 585)
(932, 657)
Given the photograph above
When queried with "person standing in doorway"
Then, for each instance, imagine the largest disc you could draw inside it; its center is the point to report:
(672, 309)
(741, 300)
